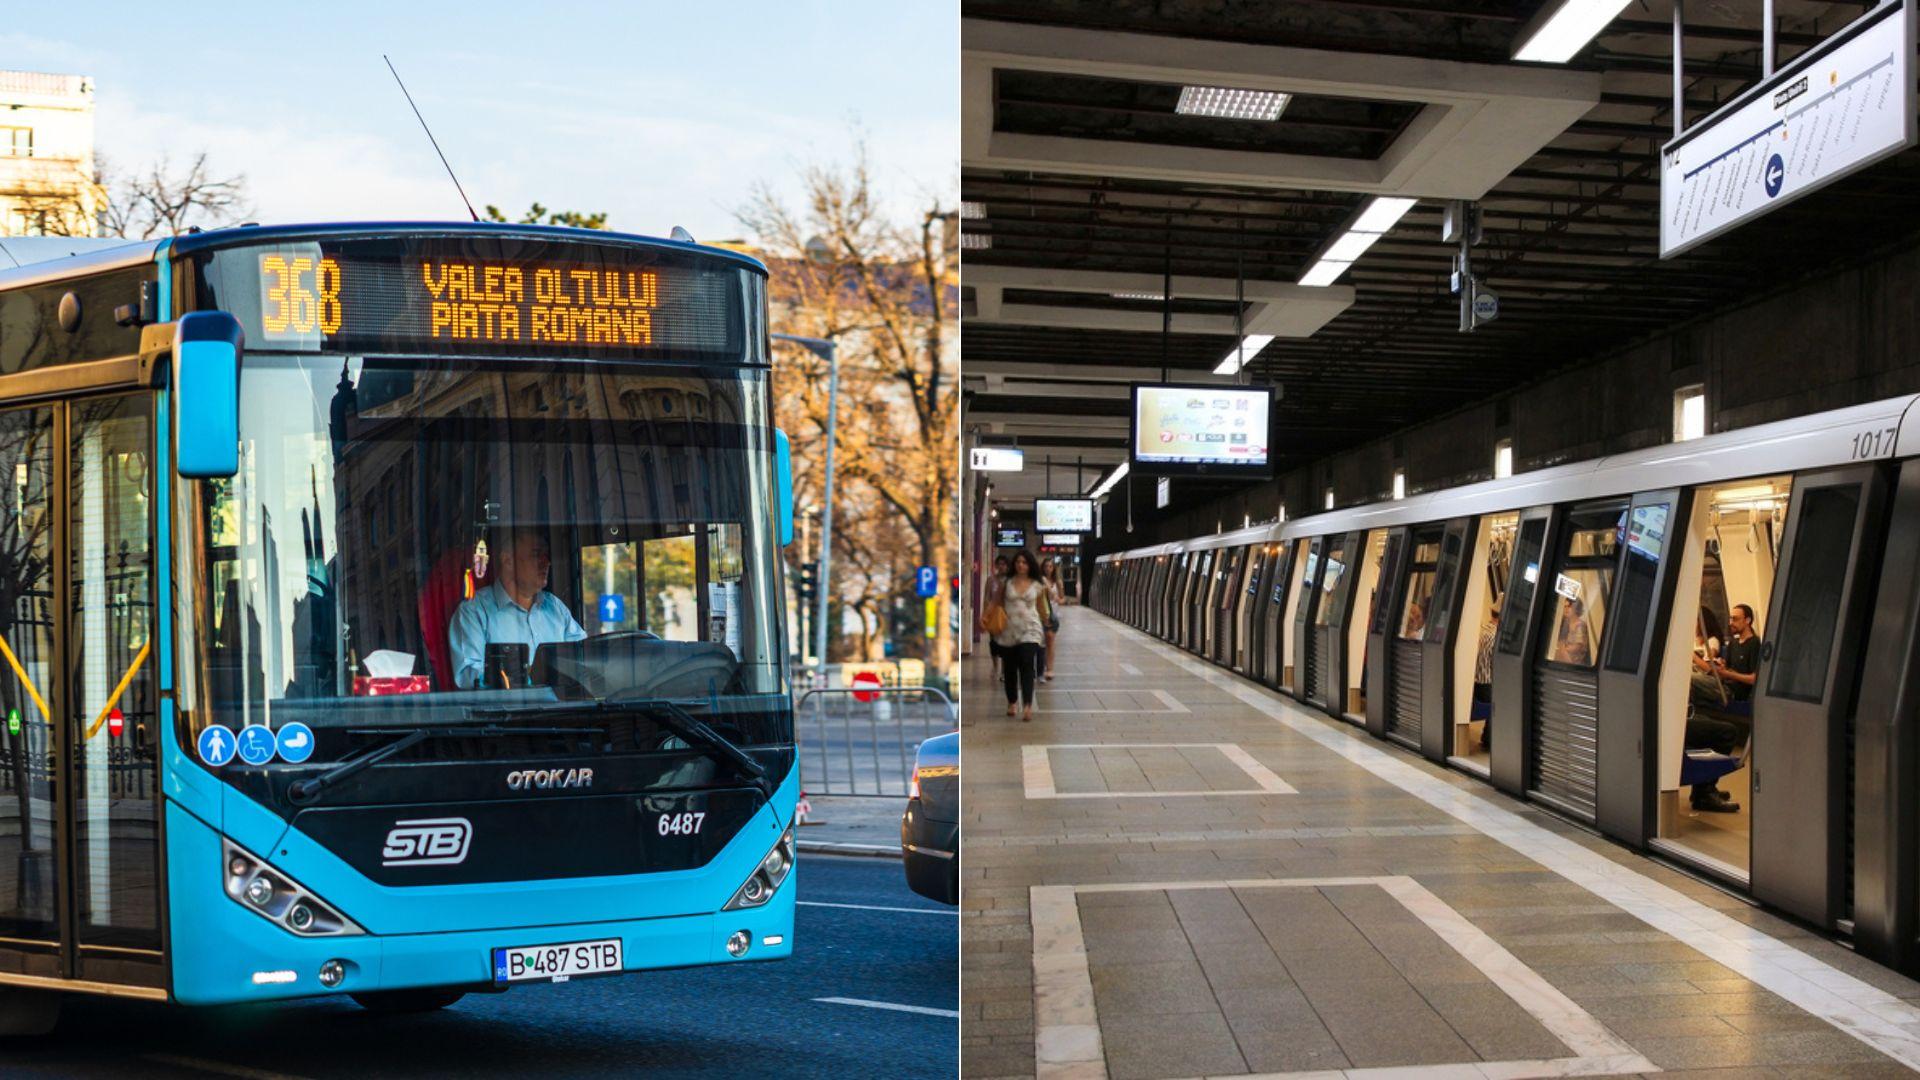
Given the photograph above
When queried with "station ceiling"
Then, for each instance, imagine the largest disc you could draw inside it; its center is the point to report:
(1081, 178)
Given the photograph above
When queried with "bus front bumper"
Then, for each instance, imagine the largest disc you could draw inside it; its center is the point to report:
(222, 953)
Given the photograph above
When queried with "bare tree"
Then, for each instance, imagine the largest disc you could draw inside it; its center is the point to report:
(158, 201)
(885, 290)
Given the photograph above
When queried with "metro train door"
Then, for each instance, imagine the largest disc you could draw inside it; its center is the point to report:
(1273, 649)
(80, 793)
(1629, 680)
(1439, 638)
(1387, 599)
(1804, 690)
(1246, 610)
(1563, 729)
(1234, 560)
(1513, 651)
(1306, 679)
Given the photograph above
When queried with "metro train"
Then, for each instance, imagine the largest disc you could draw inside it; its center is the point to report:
(1576, 635)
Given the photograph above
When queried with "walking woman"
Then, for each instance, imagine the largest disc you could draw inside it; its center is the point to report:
(996, 582)
(1025, 601)
(1050, 577)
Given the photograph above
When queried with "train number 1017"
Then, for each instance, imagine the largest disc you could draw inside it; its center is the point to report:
(1876, 443)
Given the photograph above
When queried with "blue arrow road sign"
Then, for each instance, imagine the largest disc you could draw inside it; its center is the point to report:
(613, 608)
(1776, 175)
(926, 582)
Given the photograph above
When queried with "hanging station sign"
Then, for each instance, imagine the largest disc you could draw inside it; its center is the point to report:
(1838, 108)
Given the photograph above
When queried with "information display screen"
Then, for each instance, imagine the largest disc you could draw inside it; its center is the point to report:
(1010, 538)
(1201, 430)
(467, 295)
(1063, 515)
(1060, 540)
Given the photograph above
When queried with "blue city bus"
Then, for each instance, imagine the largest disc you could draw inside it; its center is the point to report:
(388, 610)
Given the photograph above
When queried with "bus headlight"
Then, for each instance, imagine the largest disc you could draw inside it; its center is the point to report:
(279, 899)
(766, 878)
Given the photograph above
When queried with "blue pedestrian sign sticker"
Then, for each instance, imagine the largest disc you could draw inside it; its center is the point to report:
(1776, 175)
(613, 608)
(216, 745)
(256, 744)
(926, 582)
(294, 742)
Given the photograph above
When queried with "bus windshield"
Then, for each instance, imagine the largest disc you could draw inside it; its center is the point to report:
(415, 541)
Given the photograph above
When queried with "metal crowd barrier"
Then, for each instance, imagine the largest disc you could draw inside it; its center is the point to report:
(854, 747)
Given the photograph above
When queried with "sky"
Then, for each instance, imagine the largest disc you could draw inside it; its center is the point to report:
(659, 114)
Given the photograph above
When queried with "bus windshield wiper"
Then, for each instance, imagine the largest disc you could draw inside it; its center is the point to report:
(669, 714)
(305, 791)
(716, 746)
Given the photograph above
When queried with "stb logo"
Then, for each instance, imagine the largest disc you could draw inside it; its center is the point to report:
(427, 842)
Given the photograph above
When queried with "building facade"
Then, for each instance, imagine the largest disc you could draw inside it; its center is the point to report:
(47, 182)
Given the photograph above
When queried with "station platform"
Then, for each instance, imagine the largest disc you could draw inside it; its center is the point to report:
(1174, 872)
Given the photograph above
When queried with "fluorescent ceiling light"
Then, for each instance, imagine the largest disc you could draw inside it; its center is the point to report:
(1571, 24)
(1349, 247)
(973, 241)
(1238, 357)
(1118, 474)
(1383, 213)
(972, 211)
(1154, 296)
(1324, 272)
(1227, 103)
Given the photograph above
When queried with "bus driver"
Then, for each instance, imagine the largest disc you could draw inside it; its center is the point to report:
(515, 609)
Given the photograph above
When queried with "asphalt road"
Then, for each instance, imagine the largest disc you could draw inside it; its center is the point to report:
(754, 1019)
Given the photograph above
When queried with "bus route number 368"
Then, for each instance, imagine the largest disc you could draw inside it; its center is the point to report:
(682, 824)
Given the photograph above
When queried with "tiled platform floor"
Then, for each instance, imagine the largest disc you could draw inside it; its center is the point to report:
(1209, 880)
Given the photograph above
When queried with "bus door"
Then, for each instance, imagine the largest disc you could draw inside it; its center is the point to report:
(1805, 687)
(80, 844)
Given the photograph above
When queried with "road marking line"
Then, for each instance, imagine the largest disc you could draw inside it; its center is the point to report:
(877, 907)
(1129, 668)
(953, 1014)
(1862, 1010)
(219, 1067)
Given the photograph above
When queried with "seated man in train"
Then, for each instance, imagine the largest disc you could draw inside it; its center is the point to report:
(1719, 681)
(516, 609)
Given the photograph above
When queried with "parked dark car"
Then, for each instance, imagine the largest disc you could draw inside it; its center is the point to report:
(930, 829)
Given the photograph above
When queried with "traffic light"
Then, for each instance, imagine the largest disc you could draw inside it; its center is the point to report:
(809, 581)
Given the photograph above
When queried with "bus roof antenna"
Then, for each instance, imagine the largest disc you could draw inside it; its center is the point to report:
(681, 235)
(431, 139)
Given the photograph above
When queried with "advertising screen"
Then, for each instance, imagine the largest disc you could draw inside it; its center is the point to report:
(1201, 430)
(1063, 515)
(1060, 540)
(1010, 538)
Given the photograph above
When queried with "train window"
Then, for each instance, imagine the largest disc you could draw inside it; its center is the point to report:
(1419, 599)
(1526, 577)
(1815, 585)
(1578, 615)
(1336, 566)
(1646, 543)
(1451, 552)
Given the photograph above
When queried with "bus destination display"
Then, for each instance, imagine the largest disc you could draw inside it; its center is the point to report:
(1201, 429)
(418, 299)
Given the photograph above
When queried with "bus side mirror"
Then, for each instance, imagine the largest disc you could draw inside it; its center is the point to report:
(206, 394)
(783, 480)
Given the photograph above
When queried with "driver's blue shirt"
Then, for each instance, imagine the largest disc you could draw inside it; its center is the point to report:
(492, 617)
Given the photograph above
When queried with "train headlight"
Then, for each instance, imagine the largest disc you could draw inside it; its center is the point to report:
(766, 877)
(268, 893)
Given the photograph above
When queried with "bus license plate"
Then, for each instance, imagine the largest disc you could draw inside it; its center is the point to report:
(556, 963)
